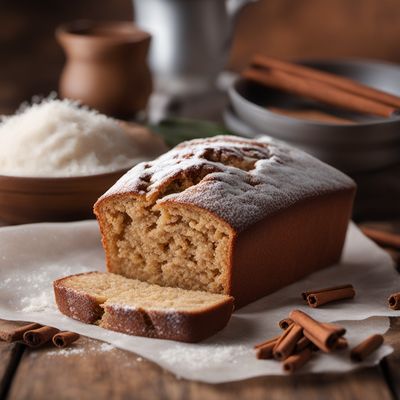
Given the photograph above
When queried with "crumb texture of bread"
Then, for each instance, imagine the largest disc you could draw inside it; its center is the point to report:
(176, 221)
(139, 308)
(170, 246)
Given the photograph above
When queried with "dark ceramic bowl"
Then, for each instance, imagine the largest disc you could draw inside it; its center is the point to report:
(26, 200)
(368, 143)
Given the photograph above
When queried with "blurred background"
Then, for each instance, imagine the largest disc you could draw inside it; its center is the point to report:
(31, 60)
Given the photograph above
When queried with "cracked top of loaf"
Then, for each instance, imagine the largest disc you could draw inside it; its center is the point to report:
(239, 180)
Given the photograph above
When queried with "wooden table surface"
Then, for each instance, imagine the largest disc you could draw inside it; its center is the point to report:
(92, 372)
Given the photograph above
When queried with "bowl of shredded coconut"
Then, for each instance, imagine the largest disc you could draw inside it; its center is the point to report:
(57, 157)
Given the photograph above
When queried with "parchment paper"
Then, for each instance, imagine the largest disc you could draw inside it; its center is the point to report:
(32, 256)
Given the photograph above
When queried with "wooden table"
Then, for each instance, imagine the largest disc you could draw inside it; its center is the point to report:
(93, 373)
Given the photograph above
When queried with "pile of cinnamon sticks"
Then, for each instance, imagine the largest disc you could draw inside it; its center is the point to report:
(324, 87)
(35, 335)
(302, 336)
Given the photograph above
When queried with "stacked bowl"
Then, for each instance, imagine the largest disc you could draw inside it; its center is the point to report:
(348, 141)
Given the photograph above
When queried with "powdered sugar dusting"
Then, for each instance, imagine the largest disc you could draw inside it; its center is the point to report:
(106, 347)
(43, 302)
(73, 351)
(196, 358)
(270, 176)
(36, 289)
(69, 351)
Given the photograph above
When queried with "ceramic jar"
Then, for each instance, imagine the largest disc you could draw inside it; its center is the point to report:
(106, 66)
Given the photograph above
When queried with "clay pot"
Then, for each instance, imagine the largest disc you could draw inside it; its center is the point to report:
(106, 66)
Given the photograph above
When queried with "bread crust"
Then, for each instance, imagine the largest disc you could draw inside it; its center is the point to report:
(181, 326)
(188, 327)
(76, 305)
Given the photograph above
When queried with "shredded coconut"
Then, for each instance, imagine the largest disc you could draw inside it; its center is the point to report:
(196, 358)
(61, 138)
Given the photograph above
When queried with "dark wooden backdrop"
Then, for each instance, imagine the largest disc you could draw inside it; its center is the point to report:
(30, 59)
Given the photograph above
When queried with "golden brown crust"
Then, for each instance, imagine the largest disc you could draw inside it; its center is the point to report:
(72, 303)
(180, 326)
(183, 326)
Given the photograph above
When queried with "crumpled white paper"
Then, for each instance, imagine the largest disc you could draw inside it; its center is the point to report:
(32, 256)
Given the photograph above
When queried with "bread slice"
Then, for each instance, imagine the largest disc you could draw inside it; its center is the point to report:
(141, 309)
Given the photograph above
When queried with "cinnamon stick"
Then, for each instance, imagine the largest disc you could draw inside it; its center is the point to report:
(285, 347)
(323, 336)
(324, 297)
(341, 344)
(332, 79)
(383, 238)
(394, 301)
(265, 352)
(302, 344)
(40, 336)
(17, 333)
(314, 291)
(311, 115)
(273, 339)
(285, 323)
(64, 339)
(317, 90)
(284, 334)
(366, 347)
(296, 361)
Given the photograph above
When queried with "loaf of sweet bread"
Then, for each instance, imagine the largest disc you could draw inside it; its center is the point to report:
(141, 309)
(226, 215)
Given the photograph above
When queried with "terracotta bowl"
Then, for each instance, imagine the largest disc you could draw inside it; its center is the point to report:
(26, 199)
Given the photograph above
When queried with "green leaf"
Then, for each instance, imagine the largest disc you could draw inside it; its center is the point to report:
(177, 130)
